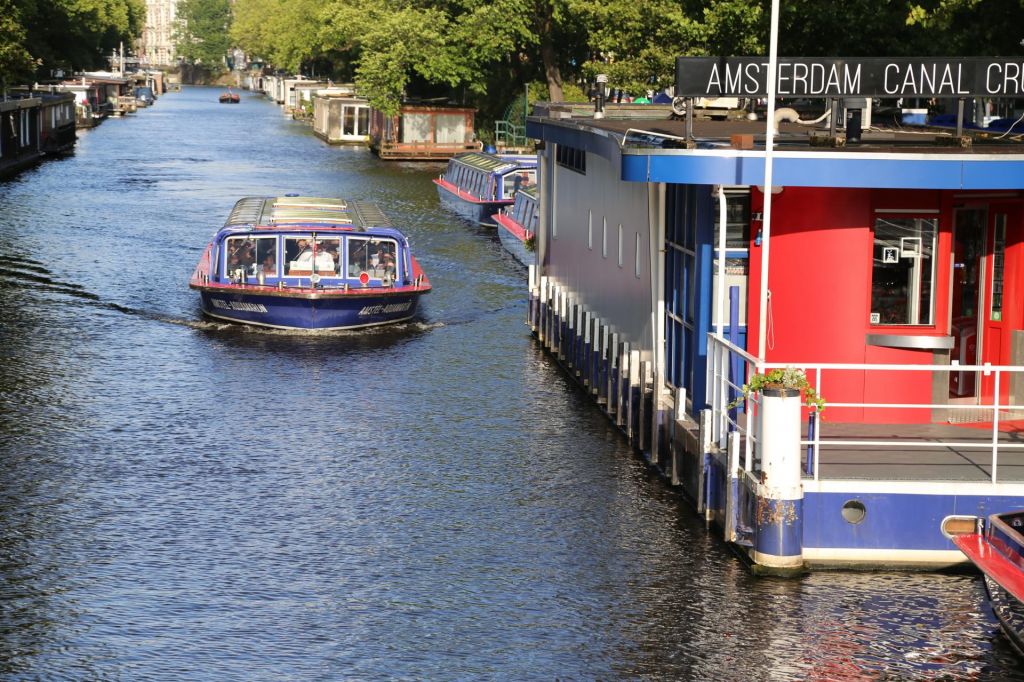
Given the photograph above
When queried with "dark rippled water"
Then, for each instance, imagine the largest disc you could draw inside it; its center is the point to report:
(181, 499)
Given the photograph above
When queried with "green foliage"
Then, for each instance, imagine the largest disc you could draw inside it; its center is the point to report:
(971, 27)
(15, 60)
(486, 51)
(782, 377)
(73, 34)
(203, 32)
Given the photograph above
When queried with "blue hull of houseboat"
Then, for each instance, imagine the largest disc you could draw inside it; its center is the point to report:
(309, 312)
(476, 211)
(514, 245)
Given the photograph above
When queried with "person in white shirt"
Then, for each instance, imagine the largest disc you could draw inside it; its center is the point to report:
(304, 260)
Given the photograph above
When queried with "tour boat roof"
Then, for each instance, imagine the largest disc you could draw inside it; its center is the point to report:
(301, 211)
(492, 163)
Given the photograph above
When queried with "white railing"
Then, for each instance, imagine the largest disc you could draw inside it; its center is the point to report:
(722, 389)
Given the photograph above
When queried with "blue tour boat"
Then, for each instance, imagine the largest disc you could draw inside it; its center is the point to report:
(998, 551)
(476, 185)
(517, 226)
(308, 263)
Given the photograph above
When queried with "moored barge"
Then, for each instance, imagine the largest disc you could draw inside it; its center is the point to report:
(997, 549)
(476, 185)
(517, 226)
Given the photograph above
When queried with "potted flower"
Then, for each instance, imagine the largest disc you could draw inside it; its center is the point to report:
(782, 382)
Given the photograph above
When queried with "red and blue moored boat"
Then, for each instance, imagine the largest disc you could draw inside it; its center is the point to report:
(308, 263)
(998, 551)
(517, 226)
(476, 185)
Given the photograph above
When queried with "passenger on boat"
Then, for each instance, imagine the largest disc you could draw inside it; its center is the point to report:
(522, 181)
(304, 260)
(269, 265)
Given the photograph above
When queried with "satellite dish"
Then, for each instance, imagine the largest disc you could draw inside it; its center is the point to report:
(679, 106)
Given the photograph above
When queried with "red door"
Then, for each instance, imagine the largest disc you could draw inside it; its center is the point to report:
(1001, 312)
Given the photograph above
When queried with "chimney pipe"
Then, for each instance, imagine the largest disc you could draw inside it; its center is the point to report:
(602, 85)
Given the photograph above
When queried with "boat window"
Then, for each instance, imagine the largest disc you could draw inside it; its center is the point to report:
(450, 128)
(364, 121)
(521, 179)
(903, 270)
(416, 127)
(348, 126)
(248, 254)
(375, 257)
(304, 257)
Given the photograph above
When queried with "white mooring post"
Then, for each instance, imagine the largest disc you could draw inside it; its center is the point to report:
(623, 376)
(611, 357)
(632, 399)
(778, 526)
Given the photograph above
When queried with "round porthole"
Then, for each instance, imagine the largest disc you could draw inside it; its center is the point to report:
(854, 511)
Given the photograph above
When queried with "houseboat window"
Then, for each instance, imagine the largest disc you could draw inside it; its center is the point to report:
(251, 254)
(903, 271)
(604, 237)
(590, 229)
(636, 264)
(304, 257)
(376, 257)
(737, 235)
(737, 219)
(348, 126)
(998, 257)
(620, 245)
(450, 128)
(363, 121)
(521, 179)
(416, 128)
(571, 158)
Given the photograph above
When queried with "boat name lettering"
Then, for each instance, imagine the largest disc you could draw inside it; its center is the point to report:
(383, 309)
(239, 305)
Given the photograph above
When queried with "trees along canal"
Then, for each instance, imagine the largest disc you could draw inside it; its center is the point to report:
(487, 50)
(202, 34)
(37, 36)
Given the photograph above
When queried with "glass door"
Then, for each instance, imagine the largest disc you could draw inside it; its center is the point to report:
(1000, 314)
(969, 232)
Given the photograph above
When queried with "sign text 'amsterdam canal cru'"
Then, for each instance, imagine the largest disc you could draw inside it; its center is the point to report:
(851, 77)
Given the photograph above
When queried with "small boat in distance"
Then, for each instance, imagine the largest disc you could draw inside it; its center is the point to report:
(997, 549)
(230, 97)
(476, 185)
(517, 226)
(308, 263)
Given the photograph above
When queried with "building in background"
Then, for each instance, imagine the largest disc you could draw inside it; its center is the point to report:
(156, 47)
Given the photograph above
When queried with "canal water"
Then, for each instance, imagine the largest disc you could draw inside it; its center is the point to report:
(185, 499)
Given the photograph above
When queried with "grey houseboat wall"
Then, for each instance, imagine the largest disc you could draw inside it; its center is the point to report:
(594, 242)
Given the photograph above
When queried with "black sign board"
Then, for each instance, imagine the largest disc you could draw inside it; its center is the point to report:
(852, 77)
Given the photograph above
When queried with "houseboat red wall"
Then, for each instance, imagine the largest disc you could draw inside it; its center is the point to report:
(820, 296)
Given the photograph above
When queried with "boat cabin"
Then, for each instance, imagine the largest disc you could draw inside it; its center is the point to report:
(491, 177)
(336, 244)
(423, 132)
(19, 134)
(525, 212)
(339, 117)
